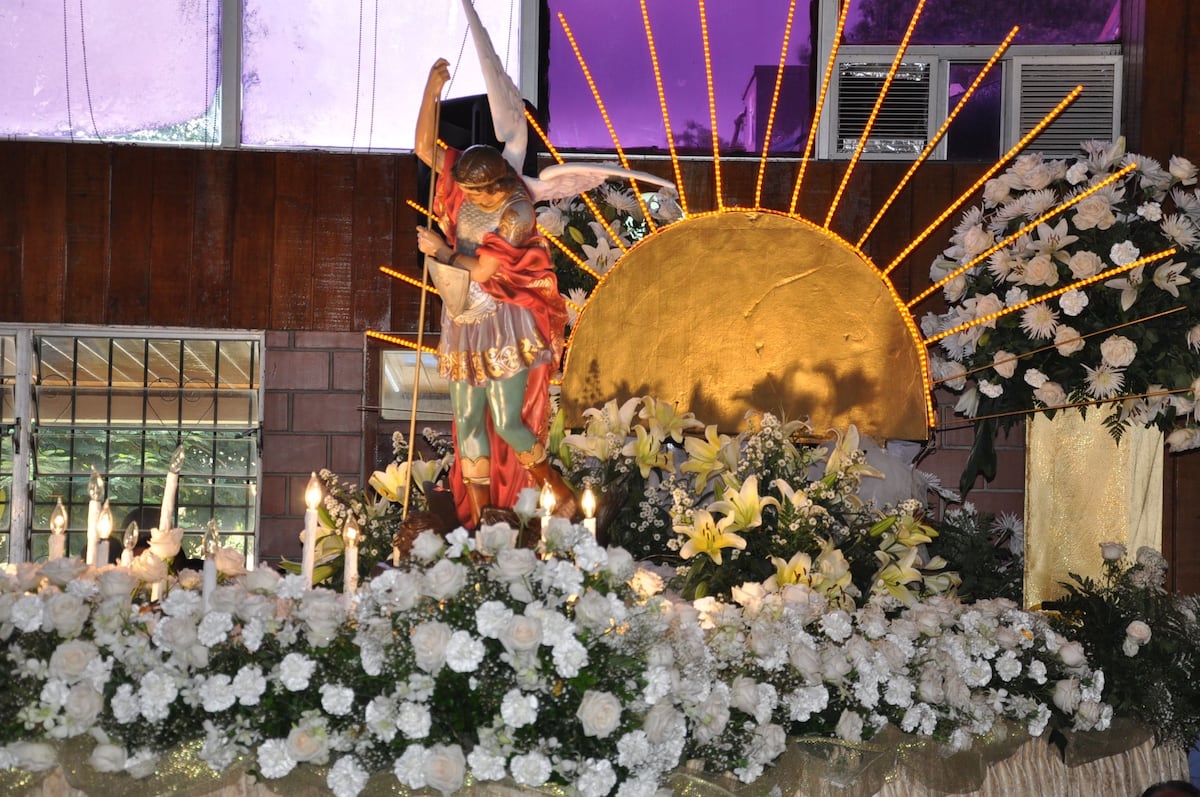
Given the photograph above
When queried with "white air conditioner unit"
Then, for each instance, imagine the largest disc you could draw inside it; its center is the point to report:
(902, 126)
(1041, 82)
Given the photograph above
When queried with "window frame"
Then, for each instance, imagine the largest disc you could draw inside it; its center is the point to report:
(21, 500)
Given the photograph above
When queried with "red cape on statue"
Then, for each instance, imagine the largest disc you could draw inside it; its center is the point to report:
(525, 277)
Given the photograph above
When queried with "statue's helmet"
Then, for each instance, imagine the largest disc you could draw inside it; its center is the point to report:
(480, 167)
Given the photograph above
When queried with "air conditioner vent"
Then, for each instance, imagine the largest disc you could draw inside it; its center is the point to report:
(902, 125)
(1092, 115)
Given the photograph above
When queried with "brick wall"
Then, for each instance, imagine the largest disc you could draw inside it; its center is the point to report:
(313, 394)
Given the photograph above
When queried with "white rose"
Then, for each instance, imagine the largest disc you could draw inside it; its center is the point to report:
(1072, 654)
(527, 505)
(261, 579)
(1004, 363)
(107, 758)
(1067, 695)
(1118, 351)
(308, 744)
(593, 610)
(1077, 173)
(744, 694)
(1129, 647)
(1112, 551)
(65, 614)
(165, 544)
(230, 561)
(69, 661)
(63, 571)
(83, 706)
(599, 713)
(444, 579)
(494, 538)
(977, 240)
(1041, 270)
(427, 546)
(429, 642)
(1182, 170)
(662, 723)
(445, 767)
(551, 219)
(116, 583)
(513, 564)
(33, 756)
(148, 568)
(1067, 340)
(1138, 631)
(521, 634)
(1085, 264)
(1094, 211)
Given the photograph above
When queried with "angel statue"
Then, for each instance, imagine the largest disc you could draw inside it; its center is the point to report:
(500, 349)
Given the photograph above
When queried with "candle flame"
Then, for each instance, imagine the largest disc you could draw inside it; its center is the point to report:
(312, 493)
(588, 503)
(104, 523)
(58, 518)
(546, 500)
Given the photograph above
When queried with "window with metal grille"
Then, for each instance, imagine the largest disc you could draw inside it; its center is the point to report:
(121, 404)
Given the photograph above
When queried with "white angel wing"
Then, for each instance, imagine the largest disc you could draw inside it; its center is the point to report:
(570, 179)
(504, 100)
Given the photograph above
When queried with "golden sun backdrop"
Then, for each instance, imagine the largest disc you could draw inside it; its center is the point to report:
(737, 309)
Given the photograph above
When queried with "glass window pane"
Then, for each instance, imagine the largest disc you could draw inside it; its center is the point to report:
(744, 50)
(974, 135)
(111, 69)
(323, 74)
(983, 22)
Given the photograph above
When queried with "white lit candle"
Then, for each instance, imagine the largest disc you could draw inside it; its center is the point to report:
(58, 531)
(95, 490)
(546, 502)
(104, 527)
(350, 569)
(129, 541)
(212, 541)
(249, 554)
(312, 497)
(167, 512)
(588, 504)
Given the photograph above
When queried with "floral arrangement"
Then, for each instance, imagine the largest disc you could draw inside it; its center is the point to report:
(1128, 342)
(598, 241)
(480, 660)
(762, 506)
(377, 511)
(1144, 637)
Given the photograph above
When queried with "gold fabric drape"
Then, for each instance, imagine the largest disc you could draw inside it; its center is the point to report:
(1083, 488)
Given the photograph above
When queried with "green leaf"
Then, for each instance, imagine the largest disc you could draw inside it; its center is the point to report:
(982, 459)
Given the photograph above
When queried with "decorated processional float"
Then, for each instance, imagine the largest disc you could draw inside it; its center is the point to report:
(757, 599)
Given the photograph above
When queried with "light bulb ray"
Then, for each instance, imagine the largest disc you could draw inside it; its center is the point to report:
(869, 126)
(941, 132)
(779, 72)
(662, 102)
(824, 92)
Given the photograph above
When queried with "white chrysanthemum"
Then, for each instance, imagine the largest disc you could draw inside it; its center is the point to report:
(1104, 381)
(156, 692)
(595, 778)
(347, 777)
(414, 720)
(181, 603)
(1123, 253)
(1180, 229)
(486, 765)
(337, 699)
(518, 709)
(274, 760)
(214, 628)
(249, 684)
(530, 769)
(464, 653)
(295, 671)
(409, 768)
(380, 718)
(216, 693)
(1039, 321)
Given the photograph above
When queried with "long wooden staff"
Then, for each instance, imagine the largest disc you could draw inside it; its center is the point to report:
(416, 387)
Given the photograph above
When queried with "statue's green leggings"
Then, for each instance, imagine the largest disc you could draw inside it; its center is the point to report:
(505, 398)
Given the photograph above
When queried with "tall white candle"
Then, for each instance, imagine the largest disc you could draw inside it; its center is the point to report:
(95, 490)
(350, 566)
(546, 502)
(104, 527)
(58, 531)
(212, 541)
(312, 497)
(166, 513)
(588, 504)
